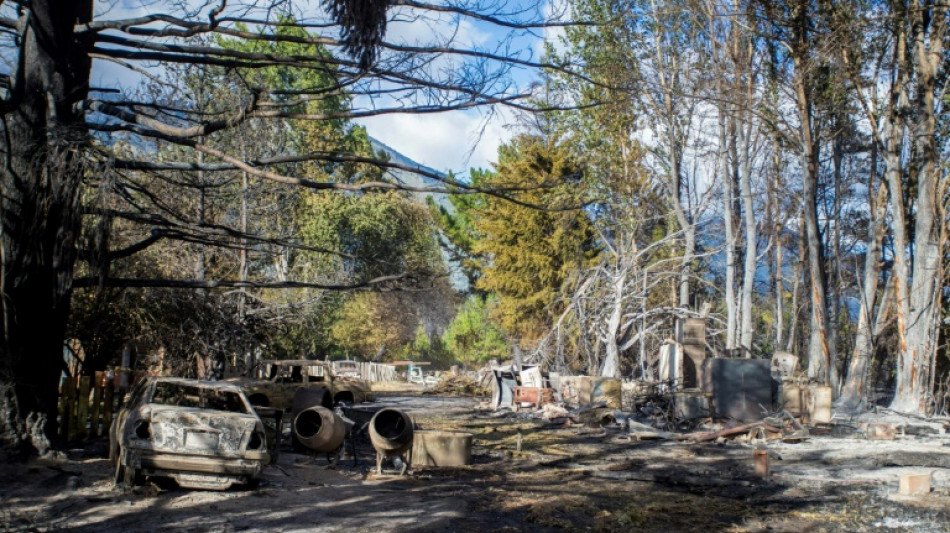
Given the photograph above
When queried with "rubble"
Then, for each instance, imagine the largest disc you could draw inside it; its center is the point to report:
(748, 428)
(578, 391)
(880, 431)
(552, 411)
(728, 432)
(644, 432)
(461, 385)
(536, 396)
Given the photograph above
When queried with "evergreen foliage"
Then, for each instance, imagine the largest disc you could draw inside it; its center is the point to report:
(531, 252)
(473, 338)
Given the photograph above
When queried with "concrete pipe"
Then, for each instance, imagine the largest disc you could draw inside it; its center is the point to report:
(390, 431)
(319, 429)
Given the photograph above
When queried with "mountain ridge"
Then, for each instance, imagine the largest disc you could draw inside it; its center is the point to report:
(412, 179)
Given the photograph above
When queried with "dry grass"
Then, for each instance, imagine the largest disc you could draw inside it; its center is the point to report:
(403, 388)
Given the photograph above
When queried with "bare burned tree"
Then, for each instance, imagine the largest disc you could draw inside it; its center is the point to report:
(622, 303)
(54, 120)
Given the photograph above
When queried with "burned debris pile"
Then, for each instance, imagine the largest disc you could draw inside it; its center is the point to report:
(458, 385)
(692, 398)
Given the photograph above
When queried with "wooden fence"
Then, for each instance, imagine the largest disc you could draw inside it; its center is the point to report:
(378, 372)
(86, 406)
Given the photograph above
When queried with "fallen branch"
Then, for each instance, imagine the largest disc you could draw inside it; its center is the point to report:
(713, 435)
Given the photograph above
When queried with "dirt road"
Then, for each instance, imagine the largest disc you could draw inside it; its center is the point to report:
(576, 478)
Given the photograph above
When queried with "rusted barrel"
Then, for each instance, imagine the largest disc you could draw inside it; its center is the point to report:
(390, 431)
(319, 429)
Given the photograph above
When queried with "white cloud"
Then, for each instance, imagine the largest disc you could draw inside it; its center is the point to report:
(447, 141)
(560, 11)
(457, 140)
(412, 27)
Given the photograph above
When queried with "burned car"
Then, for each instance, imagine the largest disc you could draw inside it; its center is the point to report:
(351, 389)
(274, 383)
(202, 434)
(346, 369)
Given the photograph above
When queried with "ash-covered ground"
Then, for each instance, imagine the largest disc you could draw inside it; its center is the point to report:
(580, 476)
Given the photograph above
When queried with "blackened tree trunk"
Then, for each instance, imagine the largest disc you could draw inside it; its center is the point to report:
(41, 174)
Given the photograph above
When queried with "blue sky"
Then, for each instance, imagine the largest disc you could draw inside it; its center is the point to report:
(450, 141)
(459, 140)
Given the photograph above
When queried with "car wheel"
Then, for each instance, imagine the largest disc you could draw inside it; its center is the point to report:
(344, 397)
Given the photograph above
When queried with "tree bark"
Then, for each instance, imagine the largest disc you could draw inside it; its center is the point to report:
(793, 327)
(854, 392)
(611, 367)
(818, 354)
(728, 199)
(743, 89)
(819, 363)
(751, 235)
(41, 176)
(778, 243)
(677, 201)
(928, 29)
(833, 263)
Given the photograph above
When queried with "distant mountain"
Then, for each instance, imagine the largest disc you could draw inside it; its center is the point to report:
(412, 179)
(456, 277)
